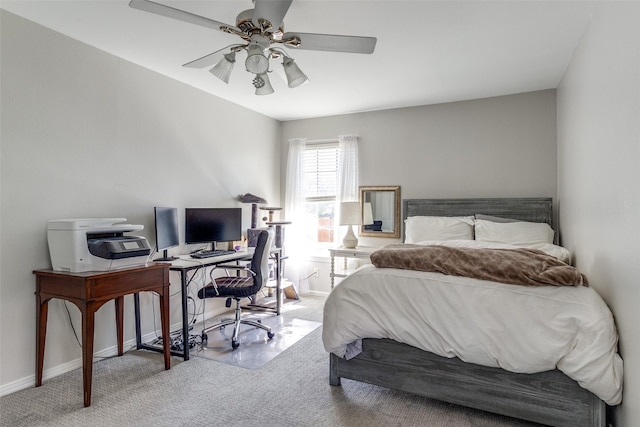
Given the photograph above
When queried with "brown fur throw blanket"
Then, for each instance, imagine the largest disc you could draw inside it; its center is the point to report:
(528, 267)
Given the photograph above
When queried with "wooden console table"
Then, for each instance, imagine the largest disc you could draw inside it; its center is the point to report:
(89, 291)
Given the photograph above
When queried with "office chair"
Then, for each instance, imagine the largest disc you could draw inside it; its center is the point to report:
(239, 287)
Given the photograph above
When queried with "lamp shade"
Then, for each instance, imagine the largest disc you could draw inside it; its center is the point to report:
(350, 213)
(295, 76)
(256, 62)
(223, 68)
(367, 214)
(266, 88)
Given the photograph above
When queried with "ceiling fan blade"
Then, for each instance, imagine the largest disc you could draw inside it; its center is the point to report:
(209, 59)
(180, 15)
(332, 43)
(271, 10)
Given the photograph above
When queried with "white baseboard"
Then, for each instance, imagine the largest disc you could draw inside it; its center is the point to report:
(53, 372)
(63, 368)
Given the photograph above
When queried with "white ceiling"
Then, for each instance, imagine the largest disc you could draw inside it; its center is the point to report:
(427, 51)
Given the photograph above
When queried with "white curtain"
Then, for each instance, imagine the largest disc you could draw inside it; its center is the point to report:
(347, 178)
(294, 212)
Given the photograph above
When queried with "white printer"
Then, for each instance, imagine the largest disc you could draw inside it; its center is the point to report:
(95, 244)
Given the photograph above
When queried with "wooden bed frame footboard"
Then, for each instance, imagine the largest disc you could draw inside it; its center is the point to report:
(549, 397)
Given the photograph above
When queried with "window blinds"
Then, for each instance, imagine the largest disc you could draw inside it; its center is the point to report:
(320, 169)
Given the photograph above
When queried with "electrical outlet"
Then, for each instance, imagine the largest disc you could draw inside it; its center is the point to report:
(315, 272)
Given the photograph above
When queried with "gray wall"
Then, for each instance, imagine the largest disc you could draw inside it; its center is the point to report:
(599, 174)
(494, 147)
(503, 146)
(86, 134)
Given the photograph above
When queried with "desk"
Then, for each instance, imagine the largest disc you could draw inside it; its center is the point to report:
(89, 291)
(185, 264)
(362, 252)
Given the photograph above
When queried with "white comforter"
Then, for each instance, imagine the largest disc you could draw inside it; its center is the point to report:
(517, 328)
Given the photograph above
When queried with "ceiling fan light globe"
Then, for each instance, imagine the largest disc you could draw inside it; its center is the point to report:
(265, 88)
(295, 76)
(223, 68)
(256, 62)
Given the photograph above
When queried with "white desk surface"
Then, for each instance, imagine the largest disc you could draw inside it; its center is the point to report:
(185, 261)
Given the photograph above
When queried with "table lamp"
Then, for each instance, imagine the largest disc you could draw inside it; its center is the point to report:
(350, 216)
(367, 214)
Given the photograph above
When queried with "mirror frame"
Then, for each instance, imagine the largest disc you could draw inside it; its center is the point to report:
(395, 234)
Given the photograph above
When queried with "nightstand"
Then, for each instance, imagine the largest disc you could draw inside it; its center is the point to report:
(362, 252)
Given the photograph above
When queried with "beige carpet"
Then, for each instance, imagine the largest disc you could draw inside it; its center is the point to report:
(290, 390)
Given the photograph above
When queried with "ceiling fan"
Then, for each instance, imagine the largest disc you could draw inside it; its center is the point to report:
(263, 35)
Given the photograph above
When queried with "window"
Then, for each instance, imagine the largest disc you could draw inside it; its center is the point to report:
(320, 178)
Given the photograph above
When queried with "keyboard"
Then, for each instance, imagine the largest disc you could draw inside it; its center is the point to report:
(209, 254)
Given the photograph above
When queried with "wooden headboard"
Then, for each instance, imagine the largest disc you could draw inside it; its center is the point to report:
(537, 209)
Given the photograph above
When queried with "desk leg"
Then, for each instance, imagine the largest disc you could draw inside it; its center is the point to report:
(42, 310)
(136, 313)
(120, 324)
(88, 322)
(278, 283)
(164, 319)
(185, 317)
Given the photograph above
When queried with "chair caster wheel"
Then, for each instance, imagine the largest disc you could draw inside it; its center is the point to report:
(271, 335)
(235, 344)
(204, 338)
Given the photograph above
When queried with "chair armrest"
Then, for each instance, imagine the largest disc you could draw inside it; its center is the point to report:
(235, 267)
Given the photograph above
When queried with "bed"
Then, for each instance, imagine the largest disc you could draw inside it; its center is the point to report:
(547, 396)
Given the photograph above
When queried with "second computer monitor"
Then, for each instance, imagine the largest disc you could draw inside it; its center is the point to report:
(167, 236)
(211, 225)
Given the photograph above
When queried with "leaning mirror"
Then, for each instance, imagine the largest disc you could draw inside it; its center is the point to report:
(380, 208)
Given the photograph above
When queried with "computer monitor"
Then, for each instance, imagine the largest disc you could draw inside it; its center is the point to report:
(211, 225)
(167, 235)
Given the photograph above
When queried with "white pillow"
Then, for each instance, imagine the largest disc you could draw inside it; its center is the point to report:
(419, 228)
(516, 233)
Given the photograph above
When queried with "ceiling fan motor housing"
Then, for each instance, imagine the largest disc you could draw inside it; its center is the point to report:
(244, 21)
